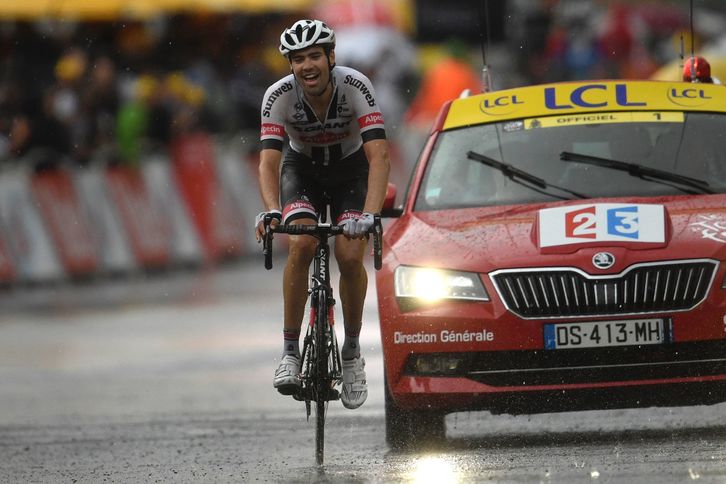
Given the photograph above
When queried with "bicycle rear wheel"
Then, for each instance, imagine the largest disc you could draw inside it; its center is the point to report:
(322, 384)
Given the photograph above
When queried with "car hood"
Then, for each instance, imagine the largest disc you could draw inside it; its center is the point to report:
(489, 238)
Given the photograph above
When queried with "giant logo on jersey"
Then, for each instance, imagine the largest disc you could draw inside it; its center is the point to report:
(324, 138)
(611, 222)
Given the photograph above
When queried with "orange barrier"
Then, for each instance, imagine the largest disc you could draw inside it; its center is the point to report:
(209, 205)
(7, 269)
(148, 231)
(25, 235)
(192, 207)
(67, 224)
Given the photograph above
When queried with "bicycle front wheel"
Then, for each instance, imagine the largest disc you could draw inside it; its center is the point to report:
(322, 384)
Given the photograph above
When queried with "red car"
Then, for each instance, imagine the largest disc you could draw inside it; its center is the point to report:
(560, 247)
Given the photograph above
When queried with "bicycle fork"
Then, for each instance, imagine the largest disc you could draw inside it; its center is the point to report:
(320, 286)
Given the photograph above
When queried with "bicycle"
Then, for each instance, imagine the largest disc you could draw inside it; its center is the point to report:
(321, 369)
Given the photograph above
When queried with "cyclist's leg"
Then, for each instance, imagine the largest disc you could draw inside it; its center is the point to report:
(349, 196)
(353, 286)
(295, 277)
(298, 195)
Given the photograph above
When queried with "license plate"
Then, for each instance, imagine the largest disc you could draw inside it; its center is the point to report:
(604, 333)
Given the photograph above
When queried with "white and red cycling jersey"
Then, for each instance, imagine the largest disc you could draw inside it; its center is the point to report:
(353, 117)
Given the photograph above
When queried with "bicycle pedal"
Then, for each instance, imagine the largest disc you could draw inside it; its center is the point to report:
(333, 394)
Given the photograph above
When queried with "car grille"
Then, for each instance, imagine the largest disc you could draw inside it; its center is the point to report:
(641, 288)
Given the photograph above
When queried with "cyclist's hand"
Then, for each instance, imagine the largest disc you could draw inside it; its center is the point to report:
(357, 227)
(260, 222)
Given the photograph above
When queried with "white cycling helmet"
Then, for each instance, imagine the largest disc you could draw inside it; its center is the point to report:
(304, 34)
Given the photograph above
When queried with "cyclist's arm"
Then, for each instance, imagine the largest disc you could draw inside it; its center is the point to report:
(269, 178)
(272, 138)
(379, 166)
(373, 133)
(269, 183)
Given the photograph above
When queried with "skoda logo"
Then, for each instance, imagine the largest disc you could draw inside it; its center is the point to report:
(603, 260)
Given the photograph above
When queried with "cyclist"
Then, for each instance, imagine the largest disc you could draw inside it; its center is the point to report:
(337, 149)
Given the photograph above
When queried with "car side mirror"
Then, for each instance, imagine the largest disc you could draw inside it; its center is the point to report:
(388, 210)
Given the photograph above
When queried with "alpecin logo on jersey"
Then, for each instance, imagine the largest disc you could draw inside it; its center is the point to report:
(273, 97)
(269, 129)
(370, 120)
(360, 85)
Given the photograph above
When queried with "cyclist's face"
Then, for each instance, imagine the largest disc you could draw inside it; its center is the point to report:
(311, 70)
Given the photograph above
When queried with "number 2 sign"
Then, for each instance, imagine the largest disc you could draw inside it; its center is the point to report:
(601, 222)
(581, 223)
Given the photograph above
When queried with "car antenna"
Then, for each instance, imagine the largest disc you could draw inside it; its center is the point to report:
(692, 60)
(486, 79)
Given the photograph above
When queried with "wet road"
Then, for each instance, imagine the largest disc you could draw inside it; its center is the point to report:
(168, 379)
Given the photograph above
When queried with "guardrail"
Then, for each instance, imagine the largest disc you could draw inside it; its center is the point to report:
(191, 206)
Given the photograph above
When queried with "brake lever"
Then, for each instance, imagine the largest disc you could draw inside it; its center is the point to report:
(267, 242)
(377, 242)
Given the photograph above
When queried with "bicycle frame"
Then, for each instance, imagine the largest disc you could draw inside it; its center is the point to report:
(321, 367)
(322, 301)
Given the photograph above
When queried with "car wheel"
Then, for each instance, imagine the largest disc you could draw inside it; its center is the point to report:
(412, 429)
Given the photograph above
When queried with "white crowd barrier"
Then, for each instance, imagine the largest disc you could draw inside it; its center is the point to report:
(192, 206)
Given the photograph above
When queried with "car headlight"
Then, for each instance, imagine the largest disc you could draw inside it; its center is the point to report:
(429, 285)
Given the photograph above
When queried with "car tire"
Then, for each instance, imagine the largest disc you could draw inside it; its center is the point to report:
(412, 429)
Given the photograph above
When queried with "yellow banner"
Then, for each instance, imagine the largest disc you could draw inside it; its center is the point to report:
(604, 118)
(585, 97)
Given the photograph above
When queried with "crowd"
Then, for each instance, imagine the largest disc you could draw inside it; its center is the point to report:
(108, 91)
(591, 39)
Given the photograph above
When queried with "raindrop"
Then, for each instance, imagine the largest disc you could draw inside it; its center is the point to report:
(594, 474)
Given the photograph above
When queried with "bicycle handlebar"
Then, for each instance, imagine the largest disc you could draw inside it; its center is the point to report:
(320, 230)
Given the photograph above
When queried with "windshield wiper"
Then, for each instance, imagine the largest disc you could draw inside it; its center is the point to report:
(517, 176)
(640, 171)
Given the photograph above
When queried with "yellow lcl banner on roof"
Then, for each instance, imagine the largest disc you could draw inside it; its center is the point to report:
(585, 97)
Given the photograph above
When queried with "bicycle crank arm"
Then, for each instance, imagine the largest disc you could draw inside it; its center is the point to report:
(333, 394)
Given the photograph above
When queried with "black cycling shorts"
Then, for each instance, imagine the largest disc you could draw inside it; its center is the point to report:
(306, 185)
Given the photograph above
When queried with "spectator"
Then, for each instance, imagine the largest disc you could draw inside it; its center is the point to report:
(446, 80)
(133, 120)
(50, 134)
(100, 103)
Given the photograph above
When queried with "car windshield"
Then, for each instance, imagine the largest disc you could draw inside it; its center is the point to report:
(472, 166)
